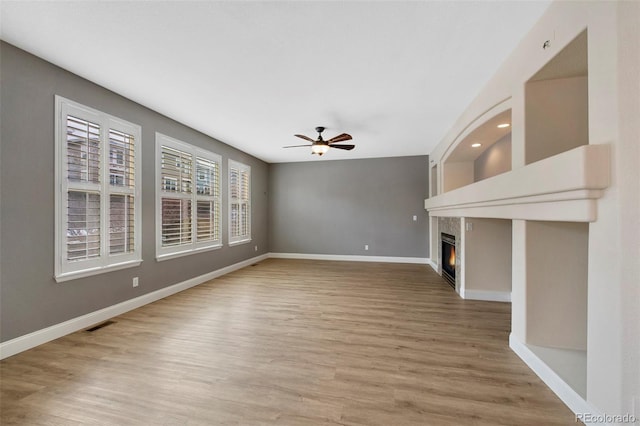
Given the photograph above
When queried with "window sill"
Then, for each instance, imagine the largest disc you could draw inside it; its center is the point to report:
(237, 243)
(68, 276)
(168, 256)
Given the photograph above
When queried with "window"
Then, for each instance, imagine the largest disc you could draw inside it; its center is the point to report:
(188, 199)
(97, 192)
(239, 203)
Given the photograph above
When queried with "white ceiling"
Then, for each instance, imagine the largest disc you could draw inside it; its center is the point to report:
(394, 74)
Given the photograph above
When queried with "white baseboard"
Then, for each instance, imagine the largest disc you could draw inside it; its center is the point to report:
(350, 258)
(433, 264)
(31, 340)
(486, 295)
(571, 398)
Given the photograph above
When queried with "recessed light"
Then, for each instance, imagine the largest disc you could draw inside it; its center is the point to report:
(503, 125)
(475, 145)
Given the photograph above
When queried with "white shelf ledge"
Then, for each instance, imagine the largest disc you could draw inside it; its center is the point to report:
(574, 400)
(569, 364)
(564, 187)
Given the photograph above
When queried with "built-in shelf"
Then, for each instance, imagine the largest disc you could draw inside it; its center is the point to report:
(482, 153)
(556, 258)
(486, 272)
(557, 103)
(563, 187)
(528, 203)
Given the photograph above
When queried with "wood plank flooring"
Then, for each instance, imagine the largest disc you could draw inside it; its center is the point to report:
(288, 342)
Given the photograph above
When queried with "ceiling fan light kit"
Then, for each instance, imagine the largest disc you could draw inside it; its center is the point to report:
(319, 149)
(320, 146)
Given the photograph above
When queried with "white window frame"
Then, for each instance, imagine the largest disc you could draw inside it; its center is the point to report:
(242, 239)
(164, 253)
(64, 269)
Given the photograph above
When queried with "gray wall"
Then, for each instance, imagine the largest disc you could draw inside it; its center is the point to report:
(30, 298)
(494, 161)
(336, 207)
(332, 207)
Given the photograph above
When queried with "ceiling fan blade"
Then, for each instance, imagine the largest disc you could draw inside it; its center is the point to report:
(294, 146)
(340, 138)
(305, 138)
(345, 147)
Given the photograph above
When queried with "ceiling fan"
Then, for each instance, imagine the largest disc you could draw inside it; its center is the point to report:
(320, 146)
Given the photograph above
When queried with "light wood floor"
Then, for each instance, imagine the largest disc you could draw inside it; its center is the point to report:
(288, 342)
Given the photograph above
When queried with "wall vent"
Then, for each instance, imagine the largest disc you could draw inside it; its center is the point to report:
(99, 326)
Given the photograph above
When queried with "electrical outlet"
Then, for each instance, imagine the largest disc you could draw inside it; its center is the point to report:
(135, 281)
(415, 218)
(469, 226)
(255, 248)
(366, 246)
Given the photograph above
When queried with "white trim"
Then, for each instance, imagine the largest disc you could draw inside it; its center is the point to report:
(241, 168)
(96, 271)
(571, 398)
(168, 256)
(433, 242)
(563, 187)
(64, 269)
(31, 340)
(434, 265)
(350, 258)
(486, 295)
(195, 246)
(239, 242)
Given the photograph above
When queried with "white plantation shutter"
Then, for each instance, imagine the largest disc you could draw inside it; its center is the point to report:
(208, 177)
(208, 200)
(177, 170)
(239, 202)
(122, 224)
(188, 216)
(176, 222)
(82, 154)
(83, 226)
(176, 176)
(122, 159)
(208, 221)
(82, 150)
(122, 173)
(97, 202)
(244, 203)
(234, 207)
(244, 219)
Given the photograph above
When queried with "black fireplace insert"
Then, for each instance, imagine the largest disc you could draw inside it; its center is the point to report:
(449, 258)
